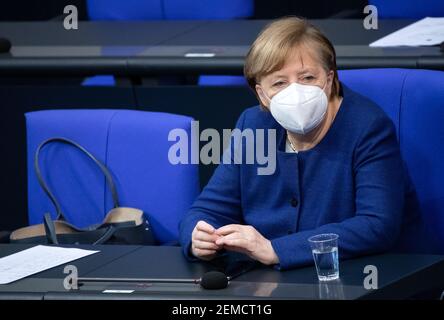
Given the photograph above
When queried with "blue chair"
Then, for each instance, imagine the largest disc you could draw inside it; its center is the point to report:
(211, 81)
(408, 9)
(414, 100)
(133, 145)
(125, 10)
(103, 80)
(208, 10)
(170, 10)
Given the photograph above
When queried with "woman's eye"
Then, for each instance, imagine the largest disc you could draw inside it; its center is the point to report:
(278, 84)
(308, 78)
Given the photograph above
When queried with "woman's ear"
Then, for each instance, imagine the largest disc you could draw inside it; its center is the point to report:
(260, 93)
(330, 76)
(330, 79)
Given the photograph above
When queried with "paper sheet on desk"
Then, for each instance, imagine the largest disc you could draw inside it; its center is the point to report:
(425, 32)
(39, 258)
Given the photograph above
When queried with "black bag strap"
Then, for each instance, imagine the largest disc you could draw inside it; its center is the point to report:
(107, 235)
(45, 187)
(51, 235)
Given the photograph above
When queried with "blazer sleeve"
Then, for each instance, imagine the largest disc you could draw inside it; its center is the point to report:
(219, 202)
(379, 200)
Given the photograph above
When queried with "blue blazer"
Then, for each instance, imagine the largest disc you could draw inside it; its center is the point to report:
(353, 183)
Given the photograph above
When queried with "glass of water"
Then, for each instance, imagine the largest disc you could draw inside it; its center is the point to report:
(325, 254)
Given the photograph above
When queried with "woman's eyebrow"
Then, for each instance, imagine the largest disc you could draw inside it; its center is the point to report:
(306, 69)
(277, 76)
(302, 71)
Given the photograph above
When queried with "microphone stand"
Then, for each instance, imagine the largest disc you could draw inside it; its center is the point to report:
(138, 280)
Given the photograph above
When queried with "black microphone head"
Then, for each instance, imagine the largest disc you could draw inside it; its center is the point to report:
(213, 280)
(5, 45)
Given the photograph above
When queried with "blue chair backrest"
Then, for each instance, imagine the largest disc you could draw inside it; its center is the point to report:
(169, 9)
(132, 144)
(414, 100)
(408, 9)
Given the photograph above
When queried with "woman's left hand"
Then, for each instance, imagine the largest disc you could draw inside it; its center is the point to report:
(246, 239)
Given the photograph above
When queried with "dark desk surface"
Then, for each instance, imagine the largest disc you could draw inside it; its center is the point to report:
(400, 276)
(160, 47)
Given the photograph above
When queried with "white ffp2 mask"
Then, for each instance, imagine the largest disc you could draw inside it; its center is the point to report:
(299, 108)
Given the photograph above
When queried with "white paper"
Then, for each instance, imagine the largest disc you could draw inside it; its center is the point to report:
(425, 32)
(117, 291)
(39, 258)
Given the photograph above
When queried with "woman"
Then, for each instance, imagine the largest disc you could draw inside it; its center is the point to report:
(338, 166)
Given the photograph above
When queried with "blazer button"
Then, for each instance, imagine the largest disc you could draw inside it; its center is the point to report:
(294, 202)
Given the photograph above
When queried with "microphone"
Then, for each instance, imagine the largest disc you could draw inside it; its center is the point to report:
(212, 280)
(5, 45)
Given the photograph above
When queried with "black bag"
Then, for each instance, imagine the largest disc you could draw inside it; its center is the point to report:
(122, 225)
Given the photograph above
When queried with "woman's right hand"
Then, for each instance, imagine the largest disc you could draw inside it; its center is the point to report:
(203, 241)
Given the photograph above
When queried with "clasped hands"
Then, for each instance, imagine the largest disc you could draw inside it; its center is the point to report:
(206, 241)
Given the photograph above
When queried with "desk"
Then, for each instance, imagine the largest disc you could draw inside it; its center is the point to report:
(136, 49)
(35, 286)
(400, 276)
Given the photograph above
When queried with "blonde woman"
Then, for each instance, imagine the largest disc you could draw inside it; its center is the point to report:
(338, 166)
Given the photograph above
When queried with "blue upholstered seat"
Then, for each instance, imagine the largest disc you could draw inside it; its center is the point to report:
(414, 100)
(408, 9)
(169, 9)
(134, 146)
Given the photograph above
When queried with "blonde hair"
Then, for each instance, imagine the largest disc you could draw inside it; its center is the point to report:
(276, 43)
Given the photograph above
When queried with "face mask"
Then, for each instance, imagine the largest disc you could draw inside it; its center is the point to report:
(299, 108)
